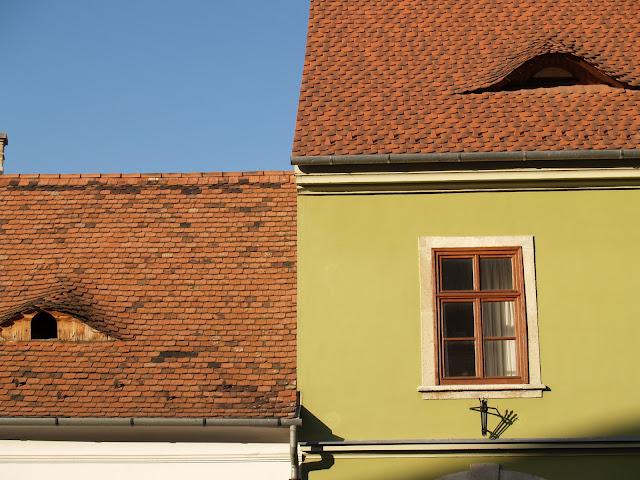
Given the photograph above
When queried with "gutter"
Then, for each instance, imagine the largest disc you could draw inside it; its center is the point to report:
(148, 422)
(517, 156)
(291, 423)
(473, 446)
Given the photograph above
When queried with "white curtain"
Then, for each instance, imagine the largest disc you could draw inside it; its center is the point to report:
(495, 274)
(498, 320)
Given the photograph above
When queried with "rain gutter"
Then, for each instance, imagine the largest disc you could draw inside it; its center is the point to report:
(148, 422)
(516, 156)
(471, 446)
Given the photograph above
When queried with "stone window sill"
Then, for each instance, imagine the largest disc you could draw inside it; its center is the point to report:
(451, 392)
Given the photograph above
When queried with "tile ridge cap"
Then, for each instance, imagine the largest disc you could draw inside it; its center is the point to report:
(145, 176)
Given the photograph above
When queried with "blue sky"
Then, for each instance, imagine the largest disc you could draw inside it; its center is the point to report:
(150, 85)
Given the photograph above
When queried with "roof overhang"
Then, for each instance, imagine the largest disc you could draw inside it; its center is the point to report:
(149, 422)
(462, 157)
(167, 429)
(468, 171)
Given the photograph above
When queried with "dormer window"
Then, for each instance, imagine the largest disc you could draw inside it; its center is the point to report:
(553, 70)
(38, 324)
(553, 76)
(44, 327)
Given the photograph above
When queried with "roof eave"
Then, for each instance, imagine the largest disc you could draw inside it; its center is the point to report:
(464, 157)
(149, 422)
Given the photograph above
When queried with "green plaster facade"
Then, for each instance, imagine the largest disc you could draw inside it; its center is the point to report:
(360, 327)
(562, 467)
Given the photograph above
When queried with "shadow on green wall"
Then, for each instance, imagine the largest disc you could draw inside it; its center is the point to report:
(610, 464)
(315, 430)
(325, 463)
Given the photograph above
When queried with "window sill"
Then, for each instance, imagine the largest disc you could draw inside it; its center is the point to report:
(452, 392)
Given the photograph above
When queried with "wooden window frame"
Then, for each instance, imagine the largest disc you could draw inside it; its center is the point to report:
(477, 296)
(430, 386)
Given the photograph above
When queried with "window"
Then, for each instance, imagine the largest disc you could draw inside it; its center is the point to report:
(554, 70)
(479, 317)
(44, 327)
(34, 323)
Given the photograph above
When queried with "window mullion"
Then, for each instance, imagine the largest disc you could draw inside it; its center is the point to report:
(440, 336)
(476, 273)
(477, 318)
(478, 339)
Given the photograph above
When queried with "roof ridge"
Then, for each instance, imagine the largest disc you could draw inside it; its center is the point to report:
(256, 173)
(149, 179)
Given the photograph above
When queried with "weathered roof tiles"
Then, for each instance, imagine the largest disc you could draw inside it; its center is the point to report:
(386, 77)
(194, 275)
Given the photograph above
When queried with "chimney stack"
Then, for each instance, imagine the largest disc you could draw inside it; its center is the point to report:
(4, 140)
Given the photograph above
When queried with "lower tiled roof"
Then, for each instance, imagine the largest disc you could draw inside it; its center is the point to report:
(194, 275)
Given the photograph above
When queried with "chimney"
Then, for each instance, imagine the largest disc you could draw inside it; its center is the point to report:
(4, 140)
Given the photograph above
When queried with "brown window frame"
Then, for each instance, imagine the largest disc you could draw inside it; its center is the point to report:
(476, 296)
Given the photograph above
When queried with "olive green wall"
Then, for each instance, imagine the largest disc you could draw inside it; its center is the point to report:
(359, 311)
(560, 467)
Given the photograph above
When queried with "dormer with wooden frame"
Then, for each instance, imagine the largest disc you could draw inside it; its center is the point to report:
(553, 70)
(37, 324)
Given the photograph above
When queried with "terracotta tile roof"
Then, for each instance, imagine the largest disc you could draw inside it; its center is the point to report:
(390, 77)
(195, 275)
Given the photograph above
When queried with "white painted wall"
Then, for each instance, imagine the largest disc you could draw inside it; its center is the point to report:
(28, 460)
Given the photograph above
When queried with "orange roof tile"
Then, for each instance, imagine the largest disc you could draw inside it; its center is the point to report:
(195, 275)
(386, 77)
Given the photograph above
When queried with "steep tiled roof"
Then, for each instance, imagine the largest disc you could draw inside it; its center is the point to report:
(397, 76)
(194, 275)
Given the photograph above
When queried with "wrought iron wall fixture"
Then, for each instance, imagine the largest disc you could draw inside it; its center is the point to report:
(506, 419)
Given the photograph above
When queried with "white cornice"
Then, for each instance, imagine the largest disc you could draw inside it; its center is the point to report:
(468, 180)
(136, 452)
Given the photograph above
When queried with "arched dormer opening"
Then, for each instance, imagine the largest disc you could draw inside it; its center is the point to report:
(44, 326)
(550, 70)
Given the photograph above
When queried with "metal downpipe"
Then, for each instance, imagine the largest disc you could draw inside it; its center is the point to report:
(293, 450)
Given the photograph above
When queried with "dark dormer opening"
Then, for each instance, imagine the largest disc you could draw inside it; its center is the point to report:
(554, 70)
(44, 327)
(552, 77)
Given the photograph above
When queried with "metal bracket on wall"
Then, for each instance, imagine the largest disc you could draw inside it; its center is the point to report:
(506, 419)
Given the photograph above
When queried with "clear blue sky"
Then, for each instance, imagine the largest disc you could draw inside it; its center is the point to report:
(150, 85)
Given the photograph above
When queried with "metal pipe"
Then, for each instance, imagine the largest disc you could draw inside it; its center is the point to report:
(477, 446)
(4, 141)
(523, 155)
(293, 450)
(144, 422)
(474, 441)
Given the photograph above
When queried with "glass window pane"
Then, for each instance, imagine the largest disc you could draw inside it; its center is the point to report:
(457, 274)
(458, 319)
(459, 359)
(495, 274)
(500, 358)
(499, 319)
